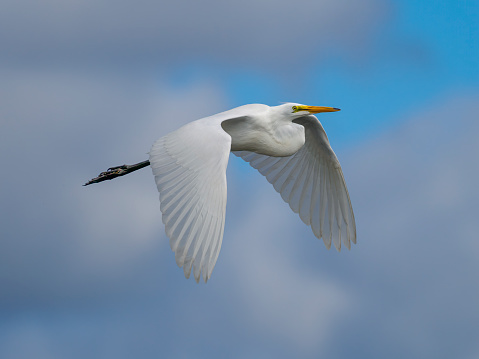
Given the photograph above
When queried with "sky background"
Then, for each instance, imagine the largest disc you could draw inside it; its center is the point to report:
(88, 272)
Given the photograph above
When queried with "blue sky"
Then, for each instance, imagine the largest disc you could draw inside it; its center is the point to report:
(88, 272)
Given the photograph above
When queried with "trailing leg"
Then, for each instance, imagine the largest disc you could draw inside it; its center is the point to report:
(117, 171)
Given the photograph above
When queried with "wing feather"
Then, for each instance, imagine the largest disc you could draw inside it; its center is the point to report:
(189, 166)
(311, 181)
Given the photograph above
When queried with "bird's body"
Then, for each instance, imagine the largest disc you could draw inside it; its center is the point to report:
(285, 143)
(258, 128)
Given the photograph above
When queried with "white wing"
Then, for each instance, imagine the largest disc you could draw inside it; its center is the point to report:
(189, 166)
(312, 182)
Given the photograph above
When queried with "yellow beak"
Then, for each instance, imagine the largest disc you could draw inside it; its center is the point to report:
(318, 109)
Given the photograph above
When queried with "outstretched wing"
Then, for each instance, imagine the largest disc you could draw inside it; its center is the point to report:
(312, 182)
(189, 166)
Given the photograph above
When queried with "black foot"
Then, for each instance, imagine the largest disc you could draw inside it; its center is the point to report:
(123, 167)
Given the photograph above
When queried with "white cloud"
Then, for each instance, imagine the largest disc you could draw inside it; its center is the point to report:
(263, 32)
(415, 195)
(58, 131)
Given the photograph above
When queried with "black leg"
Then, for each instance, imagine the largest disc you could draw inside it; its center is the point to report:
(117, 171)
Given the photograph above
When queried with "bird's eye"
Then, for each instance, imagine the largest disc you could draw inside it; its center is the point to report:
(295, 108)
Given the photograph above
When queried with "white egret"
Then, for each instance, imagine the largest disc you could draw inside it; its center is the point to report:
(287, 144)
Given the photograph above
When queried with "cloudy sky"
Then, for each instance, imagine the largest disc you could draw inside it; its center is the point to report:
(88, 272)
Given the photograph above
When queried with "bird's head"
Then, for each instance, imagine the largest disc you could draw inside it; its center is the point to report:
(298, 110)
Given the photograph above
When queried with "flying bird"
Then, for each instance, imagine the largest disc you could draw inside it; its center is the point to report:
(286, 144)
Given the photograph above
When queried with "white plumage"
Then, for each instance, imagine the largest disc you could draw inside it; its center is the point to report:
(284, 143)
